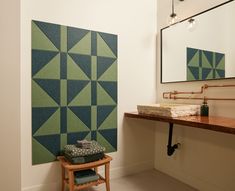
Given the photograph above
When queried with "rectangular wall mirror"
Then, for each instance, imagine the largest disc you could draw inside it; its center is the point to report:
(201, 47)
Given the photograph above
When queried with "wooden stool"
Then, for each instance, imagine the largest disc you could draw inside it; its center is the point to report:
(68, 170)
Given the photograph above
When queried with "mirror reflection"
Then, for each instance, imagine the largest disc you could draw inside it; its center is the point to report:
(201, 47)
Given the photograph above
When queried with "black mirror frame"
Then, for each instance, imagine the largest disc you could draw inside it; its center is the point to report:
(161, 44)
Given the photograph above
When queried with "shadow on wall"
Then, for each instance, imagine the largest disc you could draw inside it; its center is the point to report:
(137, 144)
(184, 134)
(206, 157)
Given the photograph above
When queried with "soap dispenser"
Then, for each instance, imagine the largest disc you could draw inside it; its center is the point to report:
(204, 108)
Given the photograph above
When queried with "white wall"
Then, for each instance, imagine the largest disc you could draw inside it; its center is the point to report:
(206, 159)
(134, 22)
(230, 32)
(10, 95)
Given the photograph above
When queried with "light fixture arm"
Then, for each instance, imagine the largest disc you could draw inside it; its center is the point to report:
(172, 7)
(173, 15)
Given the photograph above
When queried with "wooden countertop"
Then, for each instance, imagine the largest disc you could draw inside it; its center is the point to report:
(213, 123)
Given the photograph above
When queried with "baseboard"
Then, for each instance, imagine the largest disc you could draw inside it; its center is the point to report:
(196, 183)
(114, 173)
(131, 169)
(55, 186)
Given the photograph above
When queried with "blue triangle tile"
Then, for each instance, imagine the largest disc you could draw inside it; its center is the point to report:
(93, 93)
(84, 62)
(52, 31)
(110, 135)
(205, 72)
(103, 112)
(94, 135)
(221, 73)
(200, 58)
(103, 64)
(52, 87)
(63, 65)
(74, 36)
(40, 116)
(194, 71)
(73, 137)
(83, 113)
(63, 120)
(74, 87)
(50, 142)
(111, 41)
(40, 58)
(190, 53)
(209, 56)
(93, 43)
(214, 76)
(110, 88)
(218, 58)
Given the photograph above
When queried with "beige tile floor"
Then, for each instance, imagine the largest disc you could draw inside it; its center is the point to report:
(146, 181)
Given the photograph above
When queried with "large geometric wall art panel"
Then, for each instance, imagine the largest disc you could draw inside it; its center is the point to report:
(74, 89)
(204, 65)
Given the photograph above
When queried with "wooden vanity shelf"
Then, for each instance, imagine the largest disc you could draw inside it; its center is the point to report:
(220, 124)
(213, 123)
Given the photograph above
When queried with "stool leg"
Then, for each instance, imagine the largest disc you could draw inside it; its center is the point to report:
(96, 169)
(63, 177)
(71, 181)
(107, 166)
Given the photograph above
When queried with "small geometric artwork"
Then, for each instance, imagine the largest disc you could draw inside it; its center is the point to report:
(74, 89)
(204, 65)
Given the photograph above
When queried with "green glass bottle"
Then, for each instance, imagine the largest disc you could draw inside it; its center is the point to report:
(204, 109)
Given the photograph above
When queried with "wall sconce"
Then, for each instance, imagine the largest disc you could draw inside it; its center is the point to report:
(173, 16)
(191, 24)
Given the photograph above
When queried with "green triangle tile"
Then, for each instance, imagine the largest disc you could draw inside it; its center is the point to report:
(200, 73)
(50, 70)
(63, 38)
(74, 72)
(195, 72)
(190, 76)
(205, 72)
(205, 62)
(40, 154)
(103, 98)
(40, 40)
(101, 140)
(210, 57)
(214, 62)
(40, 98)
(83, 46)
(221, 64)
(88, 137)
(83, 98)
(221, 73)
(74, 124)
(94, 68)
(111, 121)
(217, 75)
(103, 49)
(93, 117)
(110, 74)
(195, 60)
(210, 75)
(51, 126)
